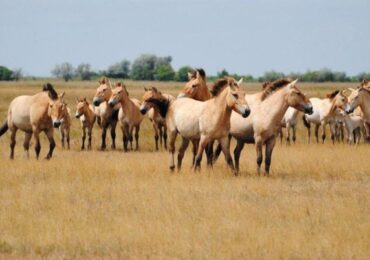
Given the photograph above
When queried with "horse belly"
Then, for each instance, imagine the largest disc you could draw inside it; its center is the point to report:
(20, 117)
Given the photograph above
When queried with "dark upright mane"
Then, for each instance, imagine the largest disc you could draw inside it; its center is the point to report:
(333, 94)
(271, 87)
(202, 73)
(51, 91)
(218, 86)
(161, 104)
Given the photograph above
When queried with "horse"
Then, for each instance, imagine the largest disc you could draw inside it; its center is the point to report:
(201, 122)
(65, 126)
(107, 116)
(129, 114)
(267, 110)
(85, 112)
(289, 122)
(324, 112)
(353, 124)
(196, 88)
(361, 98)
(33, 115)
(158, 122)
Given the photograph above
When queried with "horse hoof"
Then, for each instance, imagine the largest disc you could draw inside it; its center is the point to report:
(172, 168)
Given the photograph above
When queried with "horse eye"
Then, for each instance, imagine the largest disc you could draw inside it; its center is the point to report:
(194, 86)
(235, 95)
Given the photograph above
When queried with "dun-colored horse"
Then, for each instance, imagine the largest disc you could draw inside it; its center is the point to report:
(65, 126)
(158, 121)
(324, 113)
(361, 98)
(85, 112)
(200, 121)
(267, 110)
(33, 115)
(129, 115)
(107, 116)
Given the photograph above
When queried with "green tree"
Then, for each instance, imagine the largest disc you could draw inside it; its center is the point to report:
(119, 70)
(145, 66)
(222, 73)
(271, 76)
(17, 74)
(182, 73)
(84, 71)
(64, 70)
(164, 72)
(5, 73)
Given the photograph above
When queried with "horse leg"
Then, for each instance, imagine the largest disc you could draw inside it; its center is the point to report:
(317, 133)
(165, 136)
(50, 136)
(130, 131)
(201, 146)
(113, 134)
(288, 133)
(309, 132)
(125, 136)
(209, 153)
(334, 132)
(103, 138)
(62, 136)
(225, 145)
(83, 138)
(67, 134)
(323, 125)
(137, 129)
(36, 135)
(238, 149)
(89, 133)
(184, 145)
(270, 143)
(280, 133)
(156, 137)
(12, 141)
(171, 149)
(26, 144)
(294, 128)
(259, 155)
(195, 149)
(160, 135)
(217, 153)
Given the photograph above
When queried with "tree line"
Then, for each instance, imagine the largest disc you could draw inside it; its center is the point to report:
(152, 67)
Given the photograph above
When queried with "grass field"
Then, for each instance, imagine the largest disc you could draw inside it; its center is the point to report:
(98, 204)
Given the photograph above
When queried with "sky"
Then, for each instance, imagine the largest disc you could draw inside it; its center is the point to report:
(242, 36)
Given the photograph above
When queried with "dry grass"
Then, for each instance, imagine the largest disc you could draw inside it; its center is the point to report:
(94, 204)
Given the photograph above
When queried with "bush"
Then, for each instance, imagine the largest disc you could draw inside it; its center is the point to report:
(164, 72)
(5, 73)
(182, 73)
(119, 70)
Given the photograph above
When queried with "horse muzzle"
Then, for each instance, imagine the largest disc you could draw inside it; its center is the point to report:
(56, 124)
(308, 110)
(246, 113)
(349, 110)
(111, 104)
(77, 115)
(143, 110)
(96, 101)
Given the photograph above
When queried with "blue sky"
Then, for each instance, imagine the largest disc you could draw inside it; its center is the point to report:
(246, 37)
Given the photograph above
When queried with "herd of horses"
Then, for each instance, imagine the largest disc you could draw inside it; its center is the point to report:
(202, 116)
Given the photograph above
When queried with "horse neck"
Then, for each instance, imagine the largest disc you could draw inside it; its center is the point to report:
(365, 105)
(204, 94)
(275, 106)
(330, 107)
(221, 109)
(125, 103)
(88, 113)
(162, 105)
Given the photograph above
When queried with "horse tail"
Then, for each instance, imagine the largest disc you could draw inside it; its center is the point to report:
(4, 128)
(305, 122)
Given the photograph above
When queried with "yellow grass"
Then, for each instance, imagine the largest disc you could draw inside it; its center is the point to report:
(91, 204)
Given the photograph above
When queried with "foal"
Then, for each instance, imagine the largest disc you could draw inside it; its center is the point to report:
(85, 112)
(129, 115)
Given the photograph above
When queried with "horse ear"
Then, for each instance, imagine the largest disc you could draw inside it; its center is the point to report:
(191, 75)
(155, 89)
(62, 95)
(145, 89)
(240, 81)
(293, 83)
